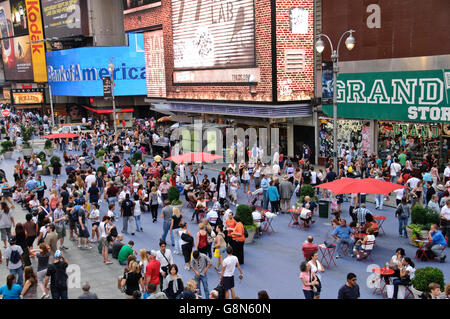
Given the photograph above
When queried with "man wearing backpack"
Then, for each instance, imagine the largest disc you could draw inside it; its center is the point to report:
(56, 274)
(402, 213)
(14, 260)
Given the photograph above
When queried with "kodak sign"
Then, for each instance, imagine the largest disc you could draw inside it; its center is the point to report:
(36, 36)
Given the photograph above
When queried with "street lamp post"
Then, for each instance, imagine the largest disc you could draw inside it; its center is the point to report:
(111, 68)
(350, 44)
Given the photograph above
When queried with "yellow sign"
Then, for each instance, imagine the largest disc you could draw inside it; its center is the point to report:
(28, 98)
(37, 37)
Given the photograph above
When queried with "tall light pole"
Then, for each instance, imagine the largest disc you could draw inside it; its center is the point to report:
(350, 44)
(111, 68)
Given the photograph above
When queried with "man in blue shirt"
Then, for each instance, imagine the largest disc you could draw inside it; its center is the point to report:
(30, 185)
(274, 197)
(265, 185)
(438, 242)
(342, 235)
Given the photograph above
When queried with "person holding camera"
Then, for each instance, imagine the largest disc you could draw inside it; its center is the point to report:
(57, 276)
(309, 280)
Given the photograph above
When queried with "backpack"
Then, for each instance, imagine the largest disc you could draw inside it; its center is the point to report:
(75, 213)
(221, 291)
(15, 256)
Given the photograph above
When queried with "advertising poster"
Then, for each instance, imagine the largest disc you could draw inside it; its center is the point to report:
(212, 34)
(22, 59)
(327, 81)
(19, 17)
(62, 18)
(80, 71)
(28, 96)
(154, 62)
(6, 26)
(37, 35)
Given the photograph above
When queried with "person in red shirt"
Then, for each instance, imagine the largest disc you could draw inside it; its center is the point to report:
(127, 171)
(173, 180)
(152, 270)
(309, 248)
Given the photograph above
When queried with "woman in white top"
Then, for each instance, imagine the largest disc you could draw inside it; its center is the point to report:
(104, 229)
(94, 217)
(316, 268)
(366, 245)
(246, 179)
(257, 175)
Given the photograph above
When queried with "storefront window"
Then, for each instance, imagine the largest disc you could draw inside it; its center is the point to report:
(416, 139)
(353, 134)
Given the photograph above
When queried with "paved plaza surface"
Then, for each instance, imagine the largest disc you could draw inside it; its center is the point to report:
(271, 261)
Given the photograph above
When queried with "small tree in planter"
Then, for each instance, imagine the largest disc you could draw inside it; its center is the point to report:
(245, 214)
(53, 160)
(136, 157)
(100, 153)
(173, 194)
(306, 190)
(27, 134)
(425, 276)
(48, 147)
(7, 149)
(42, 156)
(102, 169)
(421, 221)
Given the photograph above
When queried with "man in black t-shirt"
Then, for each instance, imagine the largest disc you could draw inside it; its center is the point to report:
(351, 289)
(72, 225)
(56, 274)
(127, 209)
(117, 246)
(82, 229)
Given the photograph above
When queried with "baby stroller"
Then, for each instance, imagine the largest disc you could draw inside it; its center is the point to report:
(253, 197)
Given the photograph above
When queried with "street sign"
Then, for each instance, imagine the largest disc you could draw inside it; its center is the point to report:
(6, 113)
(107, 86)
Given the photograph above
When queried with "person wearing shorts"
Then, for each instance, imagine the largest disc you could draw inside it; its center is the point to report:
(229, 265)
(59, 218)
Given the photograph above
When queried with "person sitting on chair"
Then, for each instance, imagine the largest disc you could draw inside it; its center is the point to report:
(406, 274)
(306, 215)
(438, 242)
(366, 245)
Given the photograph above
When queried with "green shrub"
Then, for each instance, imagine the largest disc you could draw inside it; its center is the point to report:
(102, 169)
(48, 145)
(54, 159)
(424, 276)
(173, 165)
(245, 214)
(418, 215)
(135, 158)
(27, 134)
(173, 194)
(42, 156)
(100, 153)
(7, 146)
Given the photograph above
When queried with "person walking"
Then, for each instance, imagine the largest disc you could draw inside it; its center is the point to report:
(286, 192)
(11, 290)
(6, 222)
(59, 218)
(166, 214)
(127, 214)
(238, 240)
(351, 289)
(402, 213)
(227, 275)
(274, 196)
(29, 290)
(165, 258)
(14, 260)
(43, 256)
(309, 280)
(200, 264)
(186, 243)
(57, 277)
(316, 268)
(176, 220)
(104, 228)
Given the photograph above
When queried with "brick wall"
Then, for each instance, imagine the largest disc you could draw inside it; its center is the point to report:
(301, 82)
(299, 85)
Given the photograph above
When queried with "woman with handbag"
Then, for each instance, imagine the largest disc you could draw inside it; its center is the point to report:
(309, 280)
(316, 268)
(186, 243)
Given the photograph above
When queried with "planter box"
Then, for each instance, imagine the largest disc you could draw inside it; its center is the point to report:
(27, 152)
(251, 236)
(177, 206)
(424, 234)
(7, 155)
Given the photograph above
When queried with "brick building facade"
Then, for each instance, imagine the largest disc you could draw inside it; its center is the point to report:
(280, 92)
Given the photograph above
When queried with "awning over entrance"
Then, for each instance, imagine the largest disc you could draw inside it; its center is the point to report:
(100, 111)
(257, 110)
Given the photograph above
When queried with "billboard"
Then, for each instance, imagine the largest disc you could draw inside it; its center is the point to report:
(17, 59)
(36, 35)
(213, 34)
(6, 26)
(154, 62)
(80, 71)
(65, 18)
(19, 17)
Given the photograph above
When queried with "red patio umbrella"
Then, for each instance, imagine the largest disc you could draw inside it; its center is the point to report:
(367, 186)
(61, 135)
(194, 157)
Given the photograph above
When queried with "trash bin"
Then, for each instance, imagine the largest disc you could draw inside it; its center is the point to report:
(324, 207)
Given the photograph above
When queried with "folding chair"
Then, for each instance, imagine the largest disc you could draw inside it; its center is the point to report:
(408, 293)
(368, 253)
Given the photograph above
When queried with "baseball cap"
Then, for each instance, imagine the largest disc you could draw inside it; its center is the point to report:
(12, 240)
(153, 253)
(58, 254)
